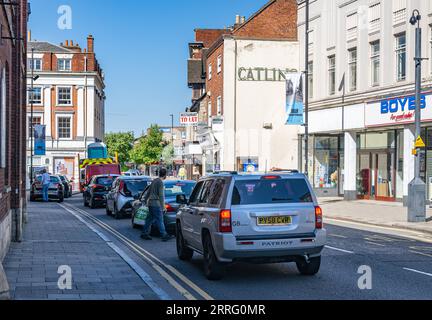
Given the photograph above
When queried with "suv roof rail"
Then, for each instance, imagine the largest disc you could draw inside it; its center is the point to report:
(285, 170)
(226, 172)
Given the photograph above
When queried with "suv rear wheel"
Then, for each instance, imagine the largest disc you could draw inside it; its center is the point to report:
(183, 251)
(309, 268)
(213, 269)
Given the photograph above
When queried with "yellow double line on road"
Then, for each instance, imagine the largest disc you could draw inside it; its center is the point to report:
(152, 260)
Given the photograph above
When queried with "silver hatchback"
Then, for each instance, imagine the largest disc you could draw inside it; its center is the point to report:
(257, 218)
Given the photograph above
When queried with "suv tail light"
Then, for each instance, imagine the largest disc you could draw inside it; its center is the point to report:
(169, 208)
(318, 218)
(225, 225)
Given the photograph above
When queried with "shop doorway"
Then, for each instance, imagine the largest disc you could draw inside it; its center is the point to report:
(376, 175)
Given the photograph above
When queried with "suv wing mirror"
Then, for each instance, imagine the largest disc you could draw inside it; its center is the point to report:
(181, 199)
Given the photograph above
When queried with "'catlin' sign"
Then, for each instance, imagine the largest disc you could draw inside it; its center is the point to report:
(189, 119)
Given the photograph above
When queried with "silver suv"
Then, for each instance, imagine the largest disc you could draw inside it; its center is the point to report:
(258, 218)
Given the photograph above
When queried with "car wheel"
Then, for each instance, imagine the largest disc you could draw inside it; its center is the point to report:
(85, 202)
(32, 199)
(92, 204)
(213, 269)
(61, 199)
(117, 214)
(183, 252)
(309, 268)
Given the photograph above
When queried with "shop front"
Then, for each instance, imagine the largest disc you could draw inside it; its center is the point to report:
(326, 160)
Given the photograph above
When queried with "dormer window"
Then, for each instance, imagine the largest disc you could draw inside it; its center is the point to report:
(64, 65)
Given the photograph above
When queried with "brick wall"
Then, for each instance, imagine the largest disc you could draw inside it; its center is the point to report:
(277, 20)
(209, 36)
(215, 85)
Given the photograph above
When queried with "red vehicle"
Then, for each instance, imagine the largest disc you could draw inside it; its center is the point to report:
(90, 171)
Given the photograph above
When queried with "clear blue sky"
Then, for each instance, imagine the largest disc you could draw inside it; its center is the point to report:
(142, 46)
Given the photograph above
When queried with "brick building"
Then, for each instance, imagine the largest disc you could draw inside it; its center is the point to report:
(243, 84)
(13, 18)
(69, 99)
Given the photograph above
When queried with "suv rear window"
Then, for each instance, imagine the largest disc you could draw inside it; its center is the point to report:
(106, 181)
(271, 192)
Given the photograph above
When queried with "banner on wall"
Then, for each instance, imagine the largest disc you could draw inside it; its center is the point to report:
(294, 99)
(39, 140)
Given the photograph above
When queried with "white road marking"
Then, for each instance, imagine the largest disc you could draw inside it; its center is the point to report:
(338, 236)
(420, 272)
(421, 253)
(376, 244)
(341, 250)
(394, 231)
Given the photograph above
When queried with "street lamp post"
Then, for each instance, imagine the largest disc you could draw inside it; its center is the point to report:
(417, 187)
(306, 93)
(172, 138)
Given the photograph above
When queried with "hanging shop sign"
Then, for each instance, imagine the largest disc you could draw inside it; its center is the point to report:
(399, 110)
(39, 140)
(189, 119)
(294, 99)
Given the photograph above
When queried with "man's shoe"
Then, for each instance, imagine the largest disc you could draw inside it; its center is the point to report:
(167, 237)
(146, 237)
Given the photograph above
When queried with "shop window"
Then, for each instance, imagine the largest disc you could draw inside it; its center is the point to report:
(326, 158)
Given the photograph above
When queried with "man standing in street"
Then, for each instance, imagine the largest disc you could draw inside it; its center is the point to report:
(155, 200)
(46, 180)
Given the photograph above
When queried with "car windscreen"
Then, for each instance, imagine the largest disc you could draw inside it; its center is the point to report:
(250, 192)
(55, 179)
(172, 189)
(105, 181)
(135, 187)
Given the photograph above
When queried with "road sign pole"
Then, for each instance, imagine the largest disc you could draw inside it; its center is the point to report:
(417, 187)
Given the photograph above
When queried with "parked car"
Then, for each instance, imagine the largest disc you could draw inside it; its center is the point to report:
(55, 191)
(124, 191)
(257, 218)
(172, 190)
(95, 193)
(67, 184)
(132, 173)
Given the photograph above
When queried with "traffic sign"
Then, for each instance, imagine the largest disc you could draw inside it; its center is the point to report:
(420, 143)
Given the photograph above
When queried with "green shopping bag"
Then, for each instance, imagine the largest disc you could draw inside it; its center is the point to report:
(141, 215)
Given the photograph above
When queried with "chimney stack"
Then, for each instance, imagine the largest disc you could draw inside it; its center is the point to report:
(29, 36)
(71, 43)
(243, 20)
(90, 44)
(237, 19)
(67, 43)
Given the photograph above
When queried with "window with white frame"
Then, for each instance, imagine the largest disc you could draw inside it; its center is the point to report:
(332, 74)
(352, 63)
(400, 57)
(219, 64)
(219, 105)
(64, 96)
(375, 57)
(209, 112)
(34, 96)
(64, 129)
(35, 64)
(310, 79)
(210, 71)
(430, 46)
(64, 64)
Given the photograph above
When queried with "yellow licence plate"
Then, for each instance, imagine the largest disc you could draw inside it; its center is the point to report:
(274, 221)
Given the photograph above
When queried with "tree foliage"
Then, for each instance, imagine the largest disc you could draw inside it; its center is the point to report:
(168, 154)
(148, 150)
(121, 142)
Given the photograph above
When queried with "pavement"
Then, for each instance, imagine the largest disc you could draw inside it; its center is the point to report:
(378, 213)
(55, 240)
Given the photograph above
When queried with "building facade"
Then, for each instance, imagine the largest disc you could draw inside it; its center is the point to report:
(13, 18)
(244, 103)
(361, 65)
(69, 99)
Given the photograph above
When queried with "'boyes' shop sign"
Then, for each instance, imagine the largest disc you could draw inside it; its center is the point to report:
(395, 111)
